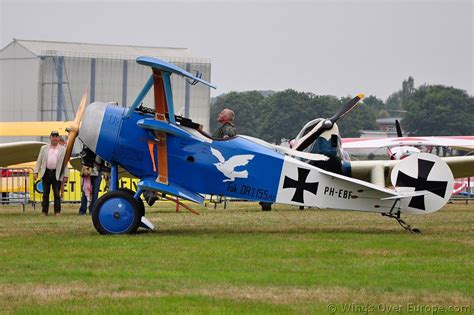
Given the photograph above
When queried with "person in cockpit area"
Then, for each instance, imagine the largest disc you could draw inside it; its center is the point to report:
(227, 128)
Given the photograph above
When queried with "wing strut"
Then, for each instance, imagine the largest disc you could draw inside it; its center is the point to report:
(161, 109)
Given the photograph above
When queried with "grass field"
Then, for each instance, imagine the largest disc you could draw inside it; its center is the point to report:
(239, 260)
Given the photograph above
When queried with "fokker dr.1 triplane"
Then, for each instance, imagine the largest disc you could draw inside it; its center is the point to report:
(172, 155)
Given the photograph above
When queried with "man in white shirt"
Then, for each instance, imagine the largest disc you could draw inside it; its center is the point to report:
(50, 169)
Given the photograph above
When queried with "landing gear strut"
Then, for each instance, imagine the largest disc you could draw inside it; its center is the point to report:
(400, 221)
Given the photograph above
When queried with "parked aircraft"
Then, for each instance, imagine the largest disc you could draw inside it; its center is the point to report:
(172, 155)
(322, 136)
(401, 146)
(19, 152)
(26, 151)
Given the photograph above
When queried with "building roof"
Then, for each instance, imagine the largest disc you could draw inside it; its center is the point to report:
(49, 48)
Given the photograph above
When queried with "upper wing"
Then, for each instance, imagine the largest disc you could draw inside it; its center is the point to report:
(218, 155)
(19, 152)
(169, 67)
(33, 128)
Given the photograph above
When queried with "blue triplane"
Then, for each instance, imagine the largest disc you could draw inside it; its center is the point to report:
(172, 156)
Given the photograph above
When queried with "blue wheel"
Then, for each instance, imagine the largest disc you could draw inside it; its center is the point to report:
(116, 212)
(141, 206)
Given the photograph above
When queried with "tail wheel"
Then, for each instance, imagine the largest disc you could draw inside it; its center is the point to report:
(141, 205)
(116, 212)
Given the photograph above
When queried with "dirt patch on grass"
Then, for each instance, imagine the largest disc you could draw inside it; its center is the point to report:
(44, 294)
(291, 295)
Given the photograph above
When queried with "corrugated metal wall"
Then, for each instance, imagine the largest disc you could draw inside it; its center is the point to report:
(19, 71)
(63, 79)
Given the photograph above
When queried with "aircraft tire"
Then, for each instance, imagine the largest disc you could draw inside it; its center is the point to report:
(141, 205)
(116, 212)
(266, 206)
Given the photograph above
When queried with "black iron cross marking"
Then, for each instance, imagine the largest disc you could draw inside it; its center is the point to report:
(422, 183)
(301, 185)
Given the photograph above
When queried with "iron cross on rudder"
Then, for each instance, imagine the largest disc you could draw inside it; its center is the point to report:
(422, 183)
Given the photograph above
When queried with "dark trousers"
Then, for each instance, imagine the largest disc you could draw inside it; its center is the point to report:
(49, 179)
(95, 183)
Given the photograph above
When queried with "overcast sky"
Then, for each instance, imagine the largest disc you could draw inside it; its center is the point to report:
(325, 47)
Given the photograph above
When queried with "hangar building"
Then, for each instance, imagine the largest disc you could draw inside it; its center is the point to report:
(44, 81)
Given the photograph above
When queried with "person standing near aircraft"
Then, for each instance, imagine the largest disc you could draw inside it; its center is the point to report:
(62, 142)
(91, 179)
(50, 169)
(86, 189)
(227, 128)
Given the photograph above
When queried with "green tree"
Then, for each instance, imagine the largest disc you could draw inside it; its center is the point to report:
(408, 88)
(377, 106)
(434, 110)
(247, 107)
(396, 100)
(286, 113)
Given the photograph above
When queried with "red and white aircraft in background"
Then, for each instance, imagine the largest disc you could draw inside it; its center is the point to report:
(321, 135)
(401, 147)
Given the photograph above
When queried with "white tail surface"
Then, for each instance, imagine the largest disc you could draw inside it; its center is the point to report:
(426, 179)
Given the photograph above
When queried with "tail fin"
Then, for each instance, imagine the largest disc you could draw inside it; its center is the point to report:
(399, 129)
(425, 180)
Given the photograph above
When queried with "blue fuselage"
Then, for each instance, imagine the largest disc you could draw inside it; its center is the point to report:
(191, 164)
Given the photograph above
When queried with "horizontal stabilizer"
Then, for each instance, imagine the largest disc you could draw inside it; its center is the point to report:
(407, 195)
(168, 67)
(153, 124)
(171, 188)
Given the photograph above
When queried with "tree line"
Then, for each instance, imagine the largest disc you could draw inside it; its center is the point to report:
(428, 110)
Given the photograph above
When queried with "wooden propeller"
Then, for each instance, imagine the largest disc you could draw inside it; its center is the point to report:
(74, 129)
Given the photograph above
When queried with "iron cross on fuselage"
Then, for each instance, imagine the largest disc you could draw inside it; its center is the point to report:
(301, 185)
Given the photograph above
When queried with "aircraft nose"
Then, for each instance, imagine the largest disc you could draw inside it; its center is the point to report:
(91, 123)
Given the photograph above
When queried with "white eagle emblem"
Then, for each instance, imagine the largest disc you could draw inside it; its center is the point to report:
(227, 167)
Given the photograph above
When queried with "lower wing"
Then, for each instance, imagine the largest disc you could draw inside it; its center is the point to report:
(19, 152)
